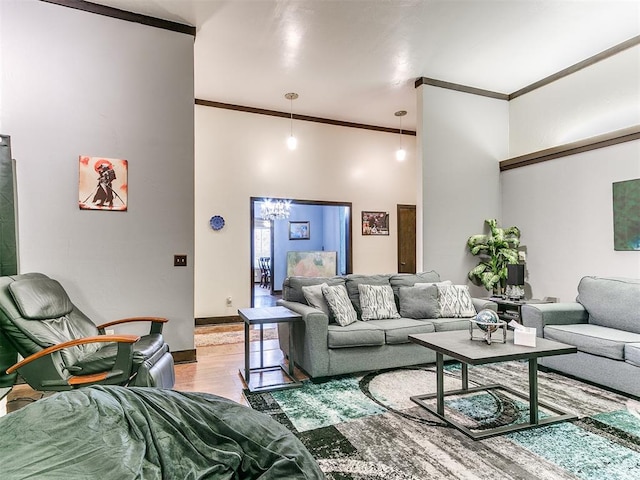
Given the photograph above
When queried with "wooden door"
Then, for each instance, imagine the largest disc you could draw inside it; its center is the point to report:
(406, 239)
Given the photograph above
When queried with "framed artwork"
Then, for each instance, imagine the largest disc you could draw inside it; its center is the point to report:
(102, 184)
(626, 221)
(299, 231)
(375, 223)
(312, 264)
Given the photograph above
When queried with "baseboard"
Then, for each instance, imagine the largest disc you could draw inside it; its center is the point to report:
(184, 356)
(217, 320)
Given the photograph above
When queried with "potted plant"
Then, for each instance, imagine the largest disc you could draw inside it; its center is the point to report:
(496, 250)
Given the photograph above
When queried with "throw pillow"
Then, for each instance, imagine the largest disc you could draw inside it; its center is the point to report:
(419, 301)
(315, 298)
(339, 304)
(377, 302)
(455, 301)
(444, 282)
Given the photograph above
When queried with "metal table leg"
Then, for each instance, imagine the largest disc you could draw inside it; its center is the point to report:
(247, 353)
(440, 382)
(533, 391)
(291, 356)
(465, 376)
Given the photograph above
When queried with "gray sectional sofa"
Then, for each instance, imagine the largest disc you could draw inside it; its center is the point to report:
(603, 323)
(323, 348)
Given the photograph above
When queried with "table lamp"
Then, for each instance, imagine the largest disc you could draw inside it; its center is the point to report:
(515, 281)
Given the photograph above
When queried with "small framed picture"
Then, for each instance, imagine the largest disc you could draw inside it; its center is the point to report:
(375, 223)
(299, 231)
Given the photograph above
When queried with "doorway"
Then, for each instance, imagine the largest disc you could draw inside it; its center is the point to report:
(406, 239)
(314, 227)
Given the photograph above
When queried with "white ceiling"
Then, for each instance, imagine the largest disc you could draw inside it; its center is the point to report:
(357, 60)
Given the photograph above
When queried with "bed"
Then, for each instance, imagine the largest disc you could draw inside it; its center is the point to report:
(111, 432)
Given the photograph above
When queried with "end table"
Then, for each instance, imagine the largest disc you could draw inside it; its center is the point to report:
(510, 309)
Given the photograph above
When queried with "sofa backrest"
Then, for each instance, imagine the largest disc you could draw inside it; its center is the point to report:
(292, 286)
(611, 302)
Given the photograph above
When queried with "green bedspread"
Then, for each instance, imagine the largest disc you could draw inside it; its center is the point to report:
(105, 432)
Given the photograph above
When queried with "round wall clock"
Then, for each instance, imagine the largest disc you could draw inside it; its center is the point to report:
(216, 222)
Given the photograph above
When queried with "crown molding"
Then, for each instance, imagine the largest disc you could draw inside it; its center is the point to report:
(124, 15)
(593, 143)
(306, 118)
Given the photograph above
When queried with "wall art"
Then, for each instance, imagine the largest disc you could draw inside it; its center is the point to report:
(312, 264)
(626, 215)
(375, 223)
(102, 184)
(299, 231)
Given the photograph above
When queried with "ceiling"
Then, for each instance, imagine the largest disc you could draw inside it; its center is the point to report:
(357, 60)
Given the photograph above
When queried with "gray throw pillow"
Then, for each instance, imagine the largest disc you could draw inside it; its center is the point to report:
(340, 305)
(315, 298)
(377, 302)
(419, 301)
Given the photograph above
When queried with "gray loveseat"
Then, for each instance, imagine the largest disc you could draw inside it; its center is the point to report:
(323, 348)
(603, 323)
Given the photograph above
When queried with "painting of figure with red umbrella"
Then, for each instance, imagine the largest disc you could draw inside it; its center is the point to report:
(102, 184)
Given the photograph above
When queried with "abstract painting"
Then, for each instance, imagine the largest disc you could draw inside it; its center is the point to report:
(626, 215)
(311, 264)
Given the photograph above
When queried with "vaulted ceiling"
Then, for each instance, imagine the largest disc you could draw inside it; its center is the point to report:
(357, 60)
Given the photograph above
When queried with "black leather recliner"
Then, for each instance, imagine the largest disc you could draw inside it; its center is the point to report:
(63, 349)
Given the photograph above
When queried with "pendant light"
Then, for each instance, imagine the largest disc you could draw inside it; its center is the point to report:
(401, 153)
(292, 142)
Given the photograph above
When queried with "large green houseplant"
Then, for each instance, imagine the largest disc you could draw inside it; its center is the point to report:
(496, 250)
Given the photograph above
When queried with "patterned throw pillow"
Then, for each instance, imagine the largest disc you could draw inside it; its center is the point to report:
(340, 305)
(455, 301)
(377, 302)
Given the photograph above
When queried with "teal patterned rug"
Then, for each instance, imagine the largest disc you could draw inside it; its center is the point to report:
(365, 427)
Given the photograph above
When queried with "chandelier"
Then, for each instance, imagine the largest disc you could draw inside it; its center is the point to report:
(275, 209)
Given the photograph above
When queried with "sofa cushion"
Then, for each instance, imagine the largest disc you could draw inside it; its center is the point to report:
(632, 353)
(377, 302)
(315, 298)
(397, 330)
(449, 324)
(419, 301)
(339, 304)
(352, 282)
(455, 301)
(611, 302)
(356, 334)
(593, 339)
(292, 286)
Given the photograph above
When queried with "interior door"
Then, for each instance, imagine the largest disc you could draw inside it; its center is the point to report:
(406, 239)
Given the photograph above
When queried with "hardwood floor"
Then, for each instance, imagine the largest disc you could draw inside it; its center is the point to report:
(216, 371)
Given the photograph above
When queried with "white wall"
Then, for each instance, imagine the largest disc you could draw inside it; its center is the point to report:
(75, 83)
(240, 155)
(462, 138)
(564, 206)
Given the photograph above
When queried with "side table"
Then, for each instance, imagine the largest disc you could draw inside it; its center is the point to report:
(260, 316)
(510, 309)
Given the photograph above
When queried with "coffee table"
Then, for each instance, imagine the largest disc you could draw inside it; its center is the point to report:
(459, 346)
(260, 316)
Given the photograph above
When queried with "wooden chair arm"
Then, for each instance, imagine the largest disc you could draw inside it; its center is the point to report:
(133, 319)
(73, 343)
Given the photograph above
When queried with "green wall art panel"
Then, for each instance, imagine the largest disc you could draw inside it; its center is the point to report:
(626, 215)
(8, 245)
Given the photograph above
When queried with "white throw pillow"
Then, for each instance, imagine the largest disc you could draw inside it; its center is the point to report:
(340, 304)
(377, 302)
(315, 298)
(455, 301)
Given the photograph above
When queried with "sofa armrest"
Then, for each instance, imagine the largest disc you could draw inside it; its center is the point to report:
(539, 315)
(483, 303)
(310, 338)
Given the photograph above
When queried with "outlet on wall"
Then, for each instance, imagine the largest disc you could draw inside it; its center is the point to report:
(110, 331)
(229, 301)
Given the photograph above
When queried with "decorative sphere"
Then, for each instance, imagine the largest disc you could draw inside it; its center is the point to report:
(487, 316)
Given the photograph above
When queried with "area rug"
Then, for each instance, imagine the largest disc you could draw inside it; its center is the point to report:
(366, 427)
(215, 335)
